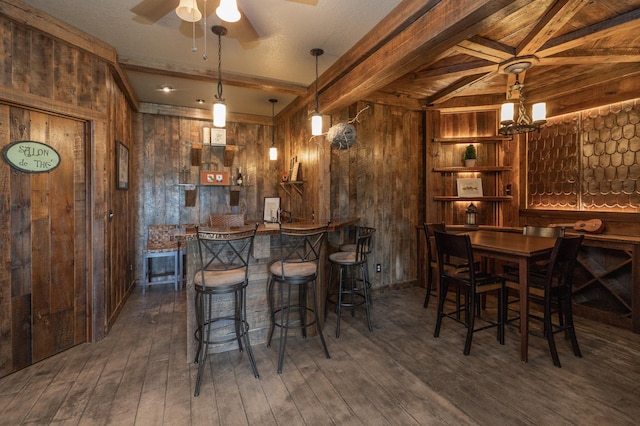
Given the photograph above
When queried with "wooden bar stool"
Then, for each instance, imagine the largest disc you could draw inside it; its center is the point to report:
(353, 277)
(224, 265)
(297, 269)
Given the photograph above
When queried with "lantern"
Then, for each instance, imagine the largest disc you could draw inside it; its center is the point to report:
(471, 217)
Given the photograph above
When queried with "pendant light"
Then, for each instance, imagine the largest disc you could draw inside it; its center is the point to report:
(524, 123)
(316, 117)
(228, 11)
(273, 151)
(219, 107)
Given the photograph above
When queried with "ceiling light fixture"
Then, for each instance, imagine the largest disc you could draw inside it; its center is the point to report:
(219, 107)
(188, 11)
(273, 151)
(166, 89)
(316, 117)
(228, 11)
(524, 123)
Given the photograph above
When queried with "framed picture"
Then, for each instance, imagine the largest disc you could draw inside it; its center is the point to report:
(469, 187)
(218, 136)
(210, 177)
(271, 209)
(122, 166)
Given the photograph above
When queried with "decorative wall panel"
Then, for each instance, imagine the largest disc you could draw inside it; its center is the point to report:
(587, 161)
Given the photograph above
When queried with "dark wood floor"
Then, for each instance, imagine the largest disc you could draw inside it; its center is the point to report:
(397, 374)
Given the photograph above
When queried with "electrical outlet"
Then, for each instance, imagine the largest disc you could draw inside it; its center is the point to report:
(378, 267)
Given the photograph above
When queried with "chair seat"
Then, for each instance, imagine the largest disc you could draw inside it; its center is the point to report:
(294, 269)
(343, 257)
(219, 278)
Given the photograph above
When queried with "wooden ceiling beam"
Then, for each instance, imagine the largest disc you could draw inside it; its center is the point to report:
(559, 14)
(455, 88)
(484, 48)
(204, 74)
(434, 33)
(627, 22)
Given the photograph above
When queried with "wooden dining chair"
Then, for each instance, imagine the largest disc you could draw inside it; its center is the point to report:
(432, 258)
(554, 291)
(468, 281)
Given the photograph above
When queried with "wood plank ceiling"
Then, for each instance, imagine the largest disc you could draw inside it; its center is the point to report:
(452, 55)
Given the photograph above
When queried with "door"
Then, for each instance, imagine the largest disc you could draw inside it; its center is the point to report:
(43, 242)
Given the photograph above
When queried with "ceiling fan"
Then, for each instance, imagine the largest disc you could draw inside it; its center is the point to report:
(150, 11)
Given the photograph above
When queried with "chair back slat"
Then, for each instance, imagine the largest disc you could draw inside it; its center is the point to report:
(301, 244)
(429, 230)
(457, 246)
(364, 236)
(221, 251)
(563, 260)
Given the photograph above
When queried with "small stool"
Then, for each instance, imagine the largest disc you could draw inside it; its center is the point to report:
(224, 264)
(300, 249)
(349, 294)
(161, 244)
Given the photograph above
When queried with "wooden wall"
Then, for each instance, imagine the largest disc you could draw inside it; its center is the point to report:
(51, 68)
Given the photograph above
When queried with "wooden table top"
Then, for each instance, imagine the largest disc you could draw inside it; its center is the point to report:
(511, 243)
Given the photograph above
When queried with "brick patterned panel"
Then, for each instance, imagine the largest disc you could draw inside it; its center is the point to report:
(607, 176)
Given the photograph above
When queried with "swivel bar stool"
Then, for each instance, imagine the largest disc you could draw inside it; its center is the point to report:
(297, 269)
(353, 277)
(224, 264)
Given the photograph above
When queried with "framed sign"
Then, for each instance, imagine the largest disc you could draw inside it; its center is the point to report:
(218, 136)
(122, 166)
(210, 177)
(271, 209)
(469, 187)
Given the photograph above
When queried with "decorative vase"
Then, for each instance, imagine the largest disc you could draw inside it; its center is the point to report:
(470, 163)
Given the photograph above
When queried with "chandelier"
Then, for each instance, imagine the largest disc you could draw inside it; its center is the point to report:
(524, 123)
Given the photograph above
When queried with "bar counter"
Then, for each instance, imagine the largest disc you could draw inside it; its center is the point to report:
(265, 252)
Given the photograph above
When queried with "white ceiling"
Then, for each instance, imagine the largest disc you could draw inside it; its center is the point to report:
(287, 31)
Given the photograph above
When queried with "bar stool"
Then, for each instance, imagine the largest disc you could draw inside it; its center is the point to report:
(300, 250)
(224, 264)
(351, 247)
(349, 293)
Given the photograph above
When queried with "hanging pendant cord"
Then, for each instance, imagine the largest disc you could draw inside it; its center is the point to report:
(219, 95)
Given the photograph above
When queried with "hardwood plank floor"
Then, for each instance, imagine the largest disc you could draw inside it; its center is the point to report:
(397, 374)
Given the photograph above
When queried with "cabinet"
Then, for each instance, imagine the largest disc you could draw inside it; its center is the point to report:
(447, 158)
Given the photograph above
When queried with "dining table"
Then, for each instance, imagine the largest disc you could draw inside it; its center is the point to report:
(521, 249)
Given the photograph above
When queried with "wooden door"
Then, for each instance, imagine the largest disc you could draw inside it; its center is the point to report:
(43, 242)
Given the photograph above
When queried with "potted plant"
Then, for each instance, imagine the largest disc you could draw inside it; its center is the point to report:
(470, 156)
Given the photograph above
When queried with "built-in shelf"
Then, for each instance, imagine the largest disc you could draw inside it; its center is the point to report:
(483, 198)
(233, 187)
(475, 139)
(480, 169)
(295, 184)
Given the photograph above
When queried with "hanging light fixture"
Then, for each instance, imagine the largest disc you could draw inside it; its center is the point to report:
(188, 11)
(219, 107)
(316, 117)
(273, 151)
(228, 11)
(524, 123)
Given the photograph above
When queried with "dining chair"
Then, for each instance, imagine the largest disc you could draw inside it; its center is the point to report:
(432, 258)
(220, 283)
(554, 291)
(510, 270)
(296, 271)
(469, 281)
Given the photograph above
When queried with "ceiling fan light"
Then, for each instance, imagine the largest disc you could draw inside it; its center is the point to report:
(228, 11)
(188, 11)
(219, 114)
(316, 124)
(539, 112)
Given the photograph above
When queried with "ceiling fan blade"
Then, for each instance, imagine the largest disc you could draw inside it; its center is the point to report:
(309, 2)
(151, 11)
(243, 30)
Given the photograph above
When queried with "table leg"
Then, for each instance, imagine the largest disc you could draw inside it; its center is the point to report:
(523, 268)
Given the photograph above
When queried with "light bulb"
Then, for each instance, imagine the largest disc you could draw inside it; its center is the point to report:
(539, 112)
(316, 124)
(506, 112)
(228, 11)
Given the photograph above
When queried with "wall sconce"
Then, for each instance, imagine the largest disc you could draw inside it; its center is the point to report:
(471, 216)
(316, 117)
(273, 151)
(219, 107)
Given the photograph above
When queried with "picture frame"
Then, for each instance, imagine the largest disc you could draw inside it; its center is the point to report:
(218, 137)
(469, 187)
(213, 177)
(270, 213)
(122, 166)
